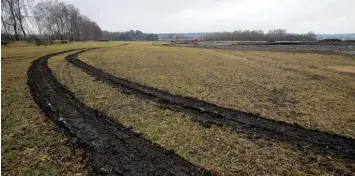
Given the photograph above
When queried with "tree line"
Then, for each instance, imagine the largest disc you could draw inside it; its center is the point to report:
(60, 21)
(259, 35)
(129, 36)
(53, 20)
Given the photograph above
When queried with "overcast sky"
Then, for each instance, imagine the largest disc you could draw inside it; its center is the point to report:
(165, 16)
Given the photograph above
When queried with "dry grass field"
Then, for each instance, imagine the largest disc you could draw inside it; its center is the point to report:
(316, 91)
(307, 89)
(216, 148)
(31, 145)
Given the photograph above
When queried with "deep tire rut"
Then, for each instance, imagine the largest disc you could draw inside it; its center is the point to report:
(254, 126)
(111, 148)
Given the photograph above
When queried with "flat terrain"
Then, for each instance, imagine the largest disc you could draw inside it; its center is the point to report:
(315, 91)
(31, 145)
(307, 89)
(216, 148)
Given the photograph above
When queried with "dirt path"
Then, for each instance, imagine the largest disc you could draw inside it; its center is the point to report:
(317, 142)
(111, 148)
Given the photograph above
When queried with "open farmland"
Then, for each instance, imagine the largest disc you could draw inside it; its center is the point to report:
(107, 103)
(216, 148)
(140, 90)
(297, 88)
(31, 145)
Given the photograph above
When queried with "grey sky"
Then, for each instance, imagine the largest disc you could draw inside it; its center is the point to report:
(163, 16)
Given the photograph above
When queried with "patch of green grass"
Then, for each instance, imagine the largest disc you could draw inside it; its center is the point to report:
(292, 87)
(30, 144)
(216, 148)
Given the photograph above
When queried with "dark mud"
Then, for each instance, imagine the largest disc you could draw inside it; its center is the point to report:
(111, 148)
(254, 126)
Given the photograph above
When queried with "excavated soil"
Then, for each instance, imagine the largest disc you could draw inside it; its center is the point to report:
(111, 148)
(318, 142)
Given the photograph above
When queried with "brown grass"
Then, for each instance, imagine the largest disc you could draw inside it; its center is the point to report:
(350, 69)
(216, 148)
(30, 144)
(292, 87)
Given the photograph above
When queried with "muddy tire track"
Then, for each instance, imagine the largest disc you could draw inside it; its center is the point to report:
(254, 126)
(111, 148)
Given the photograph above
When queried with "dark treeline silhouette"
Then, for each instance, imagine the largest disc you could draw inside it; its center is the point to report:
(259, 35)
(129, 36)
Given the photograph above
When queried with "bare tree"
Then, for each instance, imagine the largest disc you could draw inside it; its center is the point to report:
(55, 19)
(14, 14)
(62, 21)
(43, 17)
(21, 12)
(74, 19)
(4, 23)
(10, 9)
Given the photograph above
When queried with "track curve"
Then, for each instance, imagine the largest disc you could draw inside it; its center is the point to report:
(111, 148)
(206, 113)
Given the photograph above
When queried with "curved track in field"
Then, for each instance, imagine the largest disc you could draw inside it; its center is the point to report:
(254, 126)
(111, 148)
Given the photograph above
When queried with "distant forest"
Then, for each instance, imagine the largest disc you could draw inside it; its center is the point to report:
(246, 35)
(129, 36)
(259, 35)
